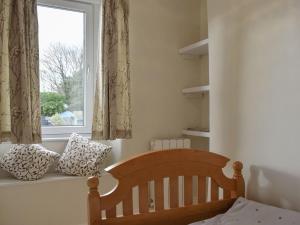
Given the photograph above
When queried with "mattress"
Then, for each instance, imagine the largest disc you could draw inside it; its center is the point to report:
(246, 212)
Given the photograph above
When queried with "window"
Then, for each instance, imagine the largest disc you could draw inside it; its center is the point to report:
(66, 42)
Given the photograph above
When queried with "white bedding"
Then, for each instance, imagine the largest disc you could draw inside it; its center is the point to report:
(246, 212)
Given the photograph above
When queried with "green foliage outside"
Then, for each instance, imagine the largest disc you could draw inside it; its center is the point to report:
(62, 72)
(52, 103)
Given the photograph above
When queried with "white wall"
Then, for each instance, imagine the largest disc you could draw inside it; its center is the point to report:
(158, 28)
(255, 93)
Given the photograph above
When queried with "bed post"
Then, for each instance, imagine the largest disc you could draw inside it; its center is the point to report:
(240, 183)
(94, 211)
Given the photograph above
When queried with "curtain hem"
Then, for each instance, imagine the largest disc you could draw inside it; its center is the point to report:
(120, 134)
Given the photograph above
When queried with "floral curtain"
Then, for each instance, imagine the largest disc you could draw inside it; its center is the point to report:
(112, 108)
(19, 72)
(4, 68)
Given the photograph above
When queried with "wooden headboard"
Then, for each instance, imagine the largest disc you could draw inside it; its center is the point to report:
(155, 166)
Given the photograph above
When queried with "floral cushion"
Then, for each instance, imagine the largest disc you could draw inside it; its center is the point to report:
(28, 162)
(82, 157)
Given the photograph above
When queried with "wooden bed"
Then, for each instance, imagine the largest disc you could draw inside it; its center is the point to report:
(155, 166)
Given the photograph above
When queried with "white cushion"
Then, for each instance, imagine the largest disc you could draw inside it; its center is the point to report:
(28, 162)
(82, 157)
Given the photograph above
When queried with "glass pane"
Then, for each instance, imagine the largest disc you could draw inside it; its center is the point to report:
(62, 66)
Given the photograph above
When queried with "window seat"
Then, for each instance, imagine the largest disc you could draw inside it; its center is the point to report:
(50, 200)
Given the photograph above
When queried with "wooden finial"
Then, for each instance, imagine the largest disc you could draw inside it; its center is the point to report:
(240, 183)
(237, 167)
(93, 201)
(93, 182)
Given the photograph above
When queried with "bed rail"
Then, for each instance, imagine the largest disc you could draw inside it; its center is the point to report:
(215, 192)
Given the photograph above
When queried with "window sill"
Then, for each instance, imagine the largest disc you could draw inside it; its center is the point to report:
(58, 139)
(61, 137)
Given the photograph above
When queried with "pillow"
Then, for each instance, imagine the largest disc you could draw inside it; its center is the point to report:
(28, 162)
(82, 157)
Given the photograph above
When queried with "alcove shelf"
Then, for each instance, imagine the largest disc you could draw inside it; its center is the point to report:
(197, 49)
(196, 89)
(196, 133)
(197, 54)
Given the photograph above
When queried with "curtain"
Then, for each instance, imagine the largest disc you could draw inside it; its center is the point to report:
(4, 68)
(19, 72)
(112, 108)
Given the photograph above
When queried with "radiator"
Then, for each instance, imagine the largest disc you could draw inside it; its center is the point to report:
(167, 144)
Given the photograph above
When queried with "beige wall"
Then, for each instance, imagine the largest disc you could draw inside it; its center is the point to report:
(158, 28)
(255, 93)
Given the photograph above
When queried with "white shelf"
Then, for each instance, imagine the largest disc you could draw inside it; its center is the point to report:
(198, 48)
(196, 133)
(196, 89)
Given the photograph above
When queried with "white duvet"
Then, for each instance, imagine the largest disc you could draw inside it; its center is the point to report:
(246, 212)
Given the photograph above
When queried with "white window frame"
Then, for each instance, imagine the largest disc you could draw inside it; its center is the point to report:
(91, 24)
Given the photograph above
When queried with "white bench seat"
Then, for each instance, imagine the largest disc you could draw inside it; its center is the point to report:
(53, 200)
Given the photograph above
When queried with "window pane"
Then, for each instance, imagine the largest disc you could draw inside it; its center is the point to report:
(62, 66)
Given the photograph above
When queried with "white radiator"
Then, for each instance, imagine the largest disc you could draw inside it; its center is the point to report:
(167, 144)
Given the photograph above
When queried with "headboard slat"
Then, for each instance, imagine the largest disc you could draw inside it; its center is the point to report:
(174, 192)
(188, 190)
(111, 213)
(214, 189)
(143, 197)
(226, 194)
(201, 189)
(128, 205)
(159, 194)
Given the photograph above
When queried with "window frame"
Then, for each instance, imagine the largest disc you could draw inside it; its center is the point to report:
(91, 22)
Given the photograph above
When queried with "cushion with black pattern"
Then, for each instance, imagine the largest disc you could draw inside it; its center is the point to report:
(82, 157)
(28, 162)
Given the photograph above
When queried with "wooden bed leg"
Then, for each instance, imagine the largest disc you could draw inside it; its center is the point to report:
(240, 183)
(94, 212)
